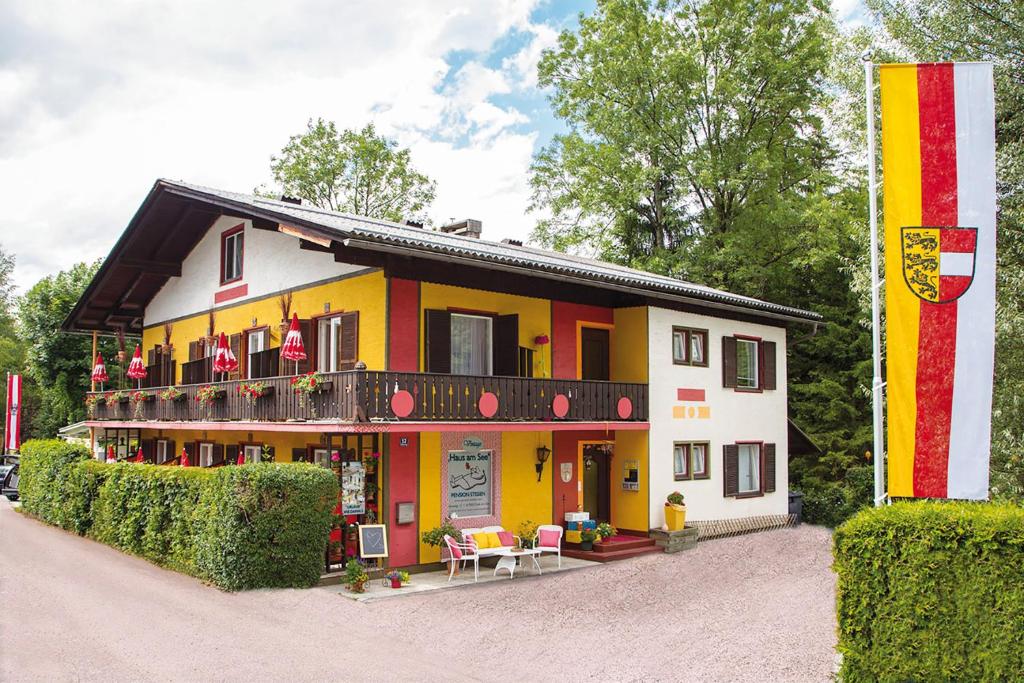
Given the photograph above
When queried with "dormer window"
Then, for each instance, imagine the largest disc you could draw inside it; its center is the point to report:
(231, 242)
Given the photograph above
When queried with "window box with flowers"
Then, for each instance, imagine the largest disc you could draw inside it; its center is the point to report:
(172, 394)
(92, 401)
(114, 399)
(253, 391)
(206, 395)
(306, 386)
(139, 399)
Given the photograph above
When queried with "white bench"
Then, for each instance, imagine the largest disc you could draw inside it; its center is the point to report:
(471, 552)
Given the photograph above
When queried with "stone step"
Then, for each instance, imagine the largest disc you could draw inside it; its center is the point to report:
(611, 555)
(624, 545)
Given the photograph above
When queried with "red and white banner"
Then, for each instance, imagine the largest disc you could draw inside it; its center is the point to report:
(938, 157)
(12, 421)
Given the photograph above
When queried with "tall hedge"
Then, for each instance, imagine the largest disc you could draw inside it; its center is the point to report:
(248, 526)
(931, 591)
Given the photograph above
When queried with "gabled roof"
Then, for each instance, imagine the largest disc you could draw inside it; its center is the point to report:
(331, 227)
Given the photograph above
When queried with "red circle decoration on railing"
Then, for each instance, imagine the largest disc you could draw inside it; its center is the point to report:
(488, 404)
(624, 408)
(402, 403)
(560, 405)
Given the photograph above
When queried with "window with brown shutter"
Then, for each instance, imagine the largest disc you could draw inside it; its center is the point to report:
(505, 343)
(769, 468)
(729, 362)
(231, 454)
(348, 341)
(235, 344)
(731, 469)
(148, 447)
(300, 455)
(438, 334)
(218, 455)
(749, 364)
(306, 329)
(768, 363)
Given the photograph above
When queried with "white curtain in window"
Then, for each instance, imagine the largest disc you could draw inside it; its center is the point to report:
(698, 459)
(696, 348)
(471, 345)
(749, 468)
(679, 459)
(678, 346)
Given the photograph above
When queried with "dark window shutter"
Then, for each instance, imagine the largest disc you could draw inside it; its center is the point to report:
(192, 449)
(265, 333)
(235, 344)
(148, 449)
(525, 362)
(171, 453)
(306, 329)
(299, 455)
(731, 470)
(768, 364)
(348, 342)
(218, 454)
(231, 454)
(193, 351)
(151, 357)
(729, 362)
(769, 467)
(505, 345)
(438, 328)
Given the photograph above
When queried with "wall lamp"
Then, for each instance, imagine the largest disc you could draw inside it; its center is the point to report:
(543, 453)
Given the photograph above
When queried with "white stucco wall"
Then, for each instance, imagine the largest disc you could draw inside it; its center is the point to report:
(271, 262)
(734, 416)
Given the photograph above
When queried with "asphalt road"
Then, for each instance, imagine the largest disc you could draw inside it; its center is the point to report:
(757, 607)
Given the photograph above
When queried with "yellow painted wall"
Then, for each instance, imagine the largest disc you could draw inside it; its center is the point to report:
(522, 496)
(534, 316)
(363, 293)
(430, 491)
(283, 442)
(630, 509)
(629, 345)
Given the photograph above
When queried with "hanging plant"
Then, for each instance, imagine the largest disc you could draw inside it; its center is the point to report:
(252, 391)
(172, 394)
(206, 395)
(306, 385)
(93, 400)
(138, 400)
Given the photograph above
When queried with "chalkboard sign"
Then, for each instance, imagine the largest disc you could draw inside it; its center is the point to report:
(373, 540)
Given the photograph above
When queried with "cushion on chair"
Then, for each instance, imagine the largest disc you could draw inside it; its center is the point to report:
(548, 538)
(470, 538)
(454, 550)
(506, 538)
(493, 541)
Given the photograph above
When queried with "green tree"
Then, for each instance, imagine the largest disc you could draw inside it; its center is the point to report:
(58, 365)
(989, 30)
(696, 144)
(356, 172)
(12, 356)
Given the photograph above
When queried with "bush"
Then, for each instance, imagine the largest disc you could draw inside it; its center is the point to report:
(832, 503)
(249, 526)
(931, 591)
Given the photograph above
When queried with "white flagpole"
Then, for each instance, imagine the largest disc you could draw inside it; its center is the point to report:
(877, 384)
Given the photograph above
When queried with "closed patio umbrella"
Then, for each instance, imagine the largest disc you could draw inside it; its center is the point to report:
(293, 348)
(224, 361)
(136, 370)
(184, 457)
(139, 457)
(241, 458)
(99, 371)
(110, 454)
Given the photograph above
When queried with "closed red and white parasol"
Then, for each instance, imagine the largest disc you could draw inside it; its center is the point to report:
(136, 369)
(224, 360)
(184, 457)
(293, 348)
(99, 370)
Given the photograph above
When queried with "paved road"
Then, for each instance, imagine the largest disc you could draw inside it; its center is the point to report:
(756, 607)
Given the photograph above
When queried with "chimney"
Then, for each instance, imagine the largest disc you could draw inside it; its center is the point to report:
(290, 200)
(412, 224)
(466, 228)
(511, 242)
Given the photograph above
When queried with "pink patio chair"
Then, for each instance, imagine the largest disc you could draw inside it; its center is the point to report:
(462, 552)
(549, 540)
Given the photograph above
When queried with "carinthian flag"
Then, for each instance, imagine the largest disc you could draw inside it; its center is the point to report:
(938, 160)
(12, 420)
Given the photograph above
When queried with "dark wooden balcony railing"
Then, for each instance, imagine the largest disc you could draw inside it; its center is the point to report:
(358, 396)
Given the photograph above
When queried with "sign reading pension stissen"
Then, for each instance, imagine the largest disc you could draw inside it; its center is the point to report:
(469, 480)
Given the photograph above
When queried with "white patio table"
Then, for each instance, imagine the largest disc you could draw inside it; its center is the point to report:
(510, 559)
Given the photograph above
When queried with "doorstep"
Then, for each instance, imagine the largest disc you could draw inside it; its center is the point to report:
(438, 580)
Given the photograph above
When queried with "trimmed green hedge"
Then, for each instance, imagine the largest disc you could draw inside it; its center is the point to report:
(932, 591)
(240, 527)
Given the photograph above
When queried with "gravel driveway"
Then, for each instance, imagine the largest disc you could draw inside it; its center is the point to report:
(757, 607)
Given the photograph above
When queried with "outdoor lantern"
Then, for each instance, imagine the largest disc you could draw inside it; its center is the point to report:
(543, 453)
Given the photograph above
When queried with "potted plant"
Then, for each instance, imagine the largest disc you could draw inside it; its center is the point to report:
(251, 391)
(587, 537)
(527, 531)
(306, 385)
(207, 394)
(675, 512)
(606, 531)
(435, 537)
(91, 401)
(172, 394)
(356, 576)
(395, 577)
(138, 400)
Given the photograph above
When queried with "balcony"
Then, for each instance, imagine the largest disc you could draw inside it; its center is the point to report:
(361, 396)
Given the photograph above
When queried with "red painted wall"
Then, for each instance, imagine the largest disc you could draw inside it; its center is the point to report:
(566, 449)
(403, 463)
(403, 325)
(563, 333)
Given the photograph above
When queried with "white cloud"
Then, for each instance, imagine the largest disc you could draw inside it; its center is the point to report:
(97, 103)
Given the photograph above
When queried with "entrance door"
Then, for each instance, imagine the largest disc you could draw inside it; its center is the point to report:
(594, 354)
(597, 481)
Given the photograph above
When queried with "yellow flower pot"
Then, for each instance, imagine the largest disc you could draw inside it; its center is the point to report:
(675, 517)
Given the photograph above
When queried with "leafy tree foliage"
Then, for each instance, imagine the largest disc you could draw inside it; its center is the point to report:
(352, 171)
(12, 356)
(58, 365)
(990, 30)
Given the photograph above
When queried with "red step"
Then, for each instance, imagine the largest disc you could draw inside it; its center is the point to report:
(639, 542)
(610, 555)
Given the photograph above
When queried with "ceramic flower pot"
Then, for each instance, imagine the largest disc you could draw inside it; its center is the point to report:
(396, 582)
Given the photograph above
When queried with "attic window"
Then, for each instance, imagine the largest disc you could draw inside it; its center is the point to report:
(231, 243)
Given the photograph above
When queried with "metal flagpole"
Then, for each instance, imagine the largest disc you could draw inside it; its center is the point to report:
(876, 341)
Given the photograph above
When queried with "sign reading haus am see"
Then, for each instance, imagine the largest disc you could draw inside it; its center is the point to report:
(469, 480)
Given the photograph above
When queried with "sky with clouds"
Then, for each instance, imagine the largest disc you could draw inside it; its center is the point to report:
(99, 99)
